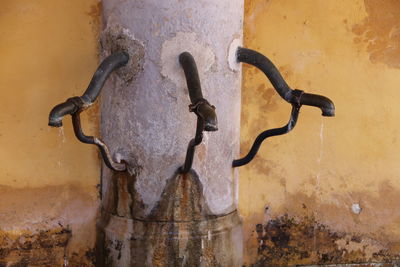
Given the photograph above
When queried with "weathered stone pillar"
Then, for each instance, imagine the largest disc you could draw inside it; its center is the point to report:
(154, 216)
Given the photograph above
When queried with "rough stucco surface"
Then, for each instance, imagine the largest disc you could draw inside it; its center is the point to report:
(147, 121)
(49, 198)
(328, 192)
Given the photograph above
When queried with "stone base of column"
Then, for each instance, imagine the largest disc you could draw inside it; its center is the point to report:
(212, 242)
(180, 231)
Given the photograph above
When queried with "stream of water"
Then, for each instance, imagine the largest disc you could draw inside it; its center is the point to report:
(318, 177)
(61, 133)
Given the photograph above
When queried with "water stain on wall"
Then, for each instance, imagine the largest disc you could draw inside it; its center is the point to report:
(54, 229)
(311, 232)
(289, 241)
(380, 30)
(45, 248)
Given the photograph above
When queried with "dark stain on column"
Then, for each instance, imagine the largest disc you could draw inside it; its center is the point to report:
(179, 231)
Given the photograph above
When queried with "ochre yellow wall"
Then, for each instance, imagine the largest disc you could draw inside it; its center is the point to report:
(348, 51)
(48, 52)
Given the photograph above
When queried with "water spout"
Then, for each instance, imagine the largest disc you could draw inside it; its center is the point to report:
(75, 105)
(297, 98)
(199, 105)
(268, 68)
(206, 115)
(325, 104)
(72, 105)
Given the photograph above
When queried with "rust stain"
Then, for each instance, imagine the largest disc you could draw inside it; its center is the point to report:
(182, 200)
(380, 30)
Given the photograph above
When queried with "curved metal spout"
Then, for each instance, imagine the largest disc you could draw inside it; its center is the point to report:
(70, 106)
(268, 68)
(199, 105)
(75, 105)
(296, 98)
(58, 112)
(206, 115)
(319, 101)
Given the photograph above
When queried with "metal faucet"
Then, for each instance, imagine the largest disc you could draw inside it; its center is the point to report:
(206, 116)
(75, 105)
(296, 98)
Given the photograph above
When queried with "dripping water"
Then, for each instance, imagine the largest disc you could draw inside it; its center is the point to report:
(61, 133)
(317, 178)
(321, 150)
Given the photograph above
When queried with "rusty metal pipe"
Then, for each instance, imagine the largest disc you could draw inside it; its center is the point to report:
(107, 66)
(199, 105)
(268, 68)
(206, 115)
(75, 105)
(296, 98)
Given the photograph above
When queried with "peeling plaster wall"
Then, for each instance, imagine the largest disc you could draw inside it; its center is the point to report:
(49, 198)
(329, 191)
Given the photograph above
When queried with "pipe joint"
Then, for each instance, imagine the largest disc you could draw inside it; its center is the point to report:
(206, 112)
(206, 115)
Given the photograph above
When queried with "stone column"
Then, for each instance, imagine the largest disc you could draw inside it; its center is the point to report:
(152, 215)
